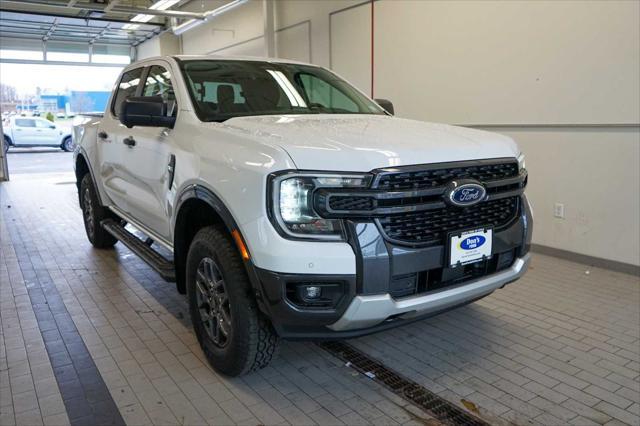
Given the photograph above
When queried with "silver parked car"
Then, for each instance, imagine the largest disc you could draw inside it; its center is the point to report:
(36, 131)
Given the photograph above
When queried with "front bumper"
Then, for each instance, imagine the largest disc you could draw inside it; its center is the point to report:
(372, 298)
(368, 311)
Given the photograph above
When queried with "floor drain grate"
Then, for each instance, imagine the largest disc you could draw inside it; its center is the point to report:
(440, 408)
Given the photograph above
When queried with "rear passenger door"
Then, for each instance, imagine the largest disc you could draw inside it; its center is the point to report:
(110, 147)
(24, 131)
(146, 174)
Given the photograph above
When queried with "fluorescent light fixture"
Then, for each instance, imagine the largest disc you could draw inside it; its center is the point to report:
(159, 5)
(163, 4)
(192, 23)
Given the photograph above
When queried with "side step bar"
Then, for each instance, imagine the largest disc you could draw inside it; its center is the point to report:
(160, 264)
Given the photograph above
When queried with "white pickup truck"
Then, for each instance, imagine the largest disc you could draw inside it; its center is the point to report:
(23, 132)
(287, 204)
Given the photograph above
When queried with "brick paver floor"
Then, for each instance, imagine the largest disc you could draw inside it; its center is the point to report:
(96, 337)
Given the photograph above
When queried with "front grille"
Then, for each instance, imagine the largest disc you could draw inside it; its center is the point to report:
(432, 226)
(351, 203)
(438, 278)
(421, 179)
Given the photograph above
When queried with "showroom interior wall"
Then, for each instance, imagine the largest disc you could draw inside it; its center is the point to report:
(559, 77)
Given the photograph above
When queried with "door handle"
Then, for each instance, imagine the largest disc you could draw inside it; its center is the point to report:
(130, 142)
(103, 135)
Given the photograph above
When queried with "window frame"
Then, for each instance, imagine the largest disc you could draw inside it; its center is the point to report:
(46, 124)
(25, 119)
(143, 76)
(181, 64)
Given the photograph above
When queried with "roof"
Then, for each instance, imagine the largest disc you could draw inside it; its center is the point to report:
(240, 58)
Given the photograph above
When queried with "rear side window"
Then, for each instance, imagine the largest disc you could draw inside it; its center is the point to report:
(25, 122)
(127, 88)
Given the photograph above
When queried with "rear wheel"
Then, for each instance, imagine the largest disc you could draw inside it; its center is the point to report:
(68, 145)
(233, 333)
(93, 213)
(7, 144)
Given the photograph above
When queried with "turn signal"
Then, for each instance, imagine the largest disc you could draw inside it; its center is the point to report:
(241, 246)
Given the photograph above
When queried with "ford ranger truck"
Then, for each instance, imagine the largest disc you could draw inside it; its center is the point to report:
(285, 203)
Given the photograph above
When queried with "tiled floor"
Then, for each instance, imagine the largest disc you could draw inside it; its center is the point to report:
(95, 337)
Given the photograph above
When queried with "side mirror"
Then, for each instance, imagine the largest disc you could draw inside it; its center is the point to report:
(52, 126)
(149, 111)
(386, 105)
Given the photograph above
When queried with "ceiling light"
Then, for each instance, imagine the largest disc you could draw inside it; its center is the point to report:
(192, 23)
(163, 4)
(159, 5)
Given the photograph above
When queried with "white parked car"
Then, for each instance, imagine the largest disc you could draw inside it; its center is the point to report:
(23, 132)
(295, 206)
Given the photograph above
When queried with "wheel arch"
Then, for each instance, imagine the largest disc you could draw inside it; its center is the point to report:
(197, 207)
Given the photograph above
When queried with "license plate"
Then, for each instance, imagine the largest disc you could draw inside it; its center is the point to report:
(470, 246)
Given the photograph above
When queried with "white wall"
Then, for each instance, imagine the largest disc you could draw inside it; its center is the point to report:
(561, 74)
(164, 44)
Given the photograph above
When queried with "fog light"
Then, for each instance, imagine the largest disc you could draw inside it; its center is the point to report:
(315, 294)
(312, 292)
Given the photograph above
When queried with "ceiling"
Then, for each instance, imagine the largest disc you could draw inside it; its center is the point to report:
(85, 21)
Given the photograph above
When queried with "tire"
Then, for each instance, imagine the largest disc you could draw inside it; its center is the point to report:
(218, 287)
(68, 145)
(93, 213)
(7, 144)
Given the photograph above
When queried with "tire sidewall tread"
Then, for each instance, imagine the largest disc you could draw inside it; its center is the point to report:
(253, 341)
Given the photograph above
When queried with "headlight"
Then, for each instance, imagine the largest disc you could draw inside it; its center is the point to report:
(291, 200)
(521, 164)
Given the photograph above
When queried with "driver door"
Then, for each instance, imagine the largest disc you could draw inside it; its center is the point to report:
(48, 133)
(146, 174)
(111, 133)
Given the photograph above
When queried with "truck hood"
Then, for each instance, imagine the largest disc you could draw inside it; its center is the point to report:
(340, 142)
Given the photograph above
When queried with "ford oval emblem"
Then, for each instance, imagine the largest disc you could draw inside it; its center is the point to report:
(472, 243)
(466, 194)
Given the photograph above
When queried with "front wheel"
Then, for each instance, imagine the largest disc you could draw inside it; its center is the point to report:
(68, 145)
(234, 335)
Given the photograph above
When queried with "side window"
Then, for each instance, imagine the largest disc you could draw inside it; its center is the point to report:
(25, 122)
(322, 94)
(43, 124)
(159, 84)
(126, 89)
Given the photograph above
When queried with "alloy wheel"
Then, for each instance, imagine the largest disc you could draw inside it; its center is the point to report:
(213, 302)
(88, 211)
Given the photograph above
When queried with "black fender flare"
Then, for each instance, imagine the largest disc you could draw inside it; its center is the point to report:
(82, 153)
(203, 193)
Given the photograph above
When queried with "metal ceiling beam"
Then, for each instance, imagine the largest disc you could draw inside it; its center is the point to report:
(61, 15)
(120, 10)
(75, 64)
(31, 35)
(99, 35)
(111, 5)
(51, 30)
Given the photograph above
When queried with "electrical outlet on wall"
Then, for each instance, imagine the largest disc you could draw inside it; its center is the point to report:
(558, 210)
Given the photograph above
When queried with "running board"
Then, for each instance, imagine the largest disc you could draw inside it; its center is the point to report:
(158, 262)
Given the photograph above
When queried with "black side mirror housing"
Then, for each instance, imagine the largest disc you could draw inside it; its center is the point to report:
(386, 104)
(148, 111)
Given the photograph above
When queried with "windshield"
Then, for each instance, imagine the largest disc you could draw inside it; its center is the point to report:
(223, 89)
